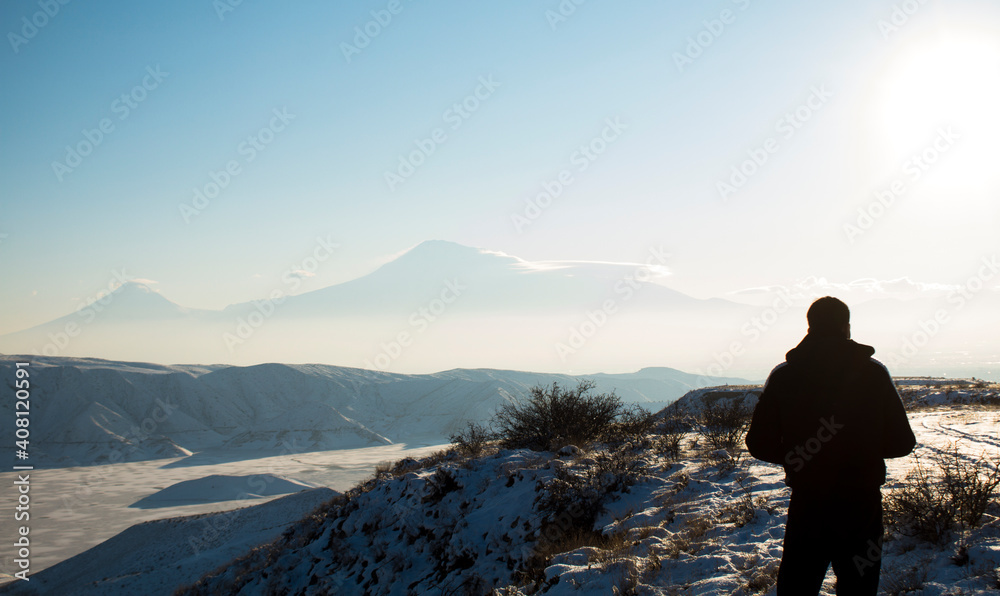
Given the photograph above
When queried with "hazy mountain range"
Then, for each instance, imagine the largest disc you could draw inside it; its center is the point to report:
(88, 411)
(443, 305)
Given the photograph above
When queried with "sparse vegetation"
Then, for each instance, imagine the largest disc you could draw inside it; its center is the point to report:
(743, 509)
(969, 484)
(760, 577)
(577, 508)
(632, 425)
(724, 422)
(671, 432)
(898, 581)
(553, 417)
(473, 439)
(921, 507)
(930, 503)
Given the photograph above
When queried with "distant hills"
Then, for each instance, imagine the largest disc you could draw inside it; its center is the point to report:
(87, 411)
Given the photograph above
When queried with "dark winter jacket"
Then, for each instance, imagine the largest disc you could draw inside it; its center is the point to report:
(830, 414)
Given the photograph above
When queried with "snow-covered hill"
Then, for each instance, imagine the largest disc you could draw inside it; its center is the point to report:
(631, 519)
(155, 557)
(93, 411)
(591, 523)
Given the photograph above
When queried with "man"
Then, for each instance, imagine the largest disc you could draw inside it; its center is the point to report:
(830, 414)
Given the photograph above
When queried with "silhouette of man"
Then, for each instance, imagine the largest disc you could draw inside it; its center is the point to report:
(830, 414)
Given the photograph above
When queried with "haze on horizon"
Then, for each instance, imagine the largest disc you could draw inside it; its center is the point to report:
(212, 153)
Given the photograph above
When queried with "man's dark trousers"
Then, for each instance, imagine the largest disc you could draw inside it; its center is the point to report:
(845, 530)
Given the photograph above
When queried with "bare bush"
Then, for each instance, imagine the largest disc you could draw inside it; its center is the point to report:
(970, 484)
(633, 424)
(905, 580)
(929, 504)
(672, 429)
(921, 507)
(554, 417)
(472, 439)
(724, 422)
(762, 577)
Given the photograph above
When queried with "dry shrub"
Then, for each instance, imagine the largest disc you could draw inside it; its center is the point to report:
(473, 439)
(930, 503)
(724, 422)
(554, 417)
(970, 484)
(897, 581)
(762, 578)
(921, 507)
(671, 433)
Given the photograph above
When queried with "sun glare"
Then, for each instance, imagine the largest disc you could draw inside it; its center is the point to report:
(937, 111)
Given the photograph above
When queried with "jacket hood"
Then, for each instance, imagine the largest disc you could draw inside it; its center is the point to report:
(832, 350)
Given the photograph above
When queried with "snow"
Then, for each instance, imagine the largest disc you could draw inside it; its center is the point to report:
(76, 508)
(219, 487)
(155, 556)
(710, 523)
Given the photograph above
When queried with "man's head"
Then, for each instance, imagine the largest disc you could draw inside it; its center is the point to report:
(829, 316)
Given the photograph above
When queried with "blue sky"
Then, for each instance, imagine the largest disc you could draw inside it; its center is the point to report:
(872, 96)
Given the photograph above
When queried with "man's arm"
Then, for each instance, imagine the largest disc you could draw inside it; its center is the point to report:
(764, 437)
(897, 436)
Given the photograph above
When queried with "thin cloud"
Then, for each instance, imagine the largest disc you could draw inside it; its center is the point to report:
(301, 273)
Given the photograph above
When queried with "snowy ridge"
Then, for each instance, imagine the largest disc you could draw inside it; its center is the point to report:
(219, 487)
(708, 523)
(693, 402)
(573, 522)
(97, 411)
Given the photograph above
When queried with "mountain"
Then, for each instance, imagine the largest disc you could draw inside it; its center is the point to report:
(489, 282)
(437, 306)
(442, 305)
(87, 411)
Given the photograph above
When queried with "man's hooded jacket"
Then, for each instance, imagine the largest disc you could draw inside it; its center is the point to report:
(830, 414)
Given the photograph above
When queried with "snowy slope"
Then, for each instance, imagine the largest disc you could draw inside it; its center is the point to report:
(218, 487)
(92, 411)
(154, 557)
(705, 524)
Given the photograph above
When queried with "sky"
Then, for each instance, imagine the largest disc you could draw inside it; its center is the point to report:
(204, 148)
